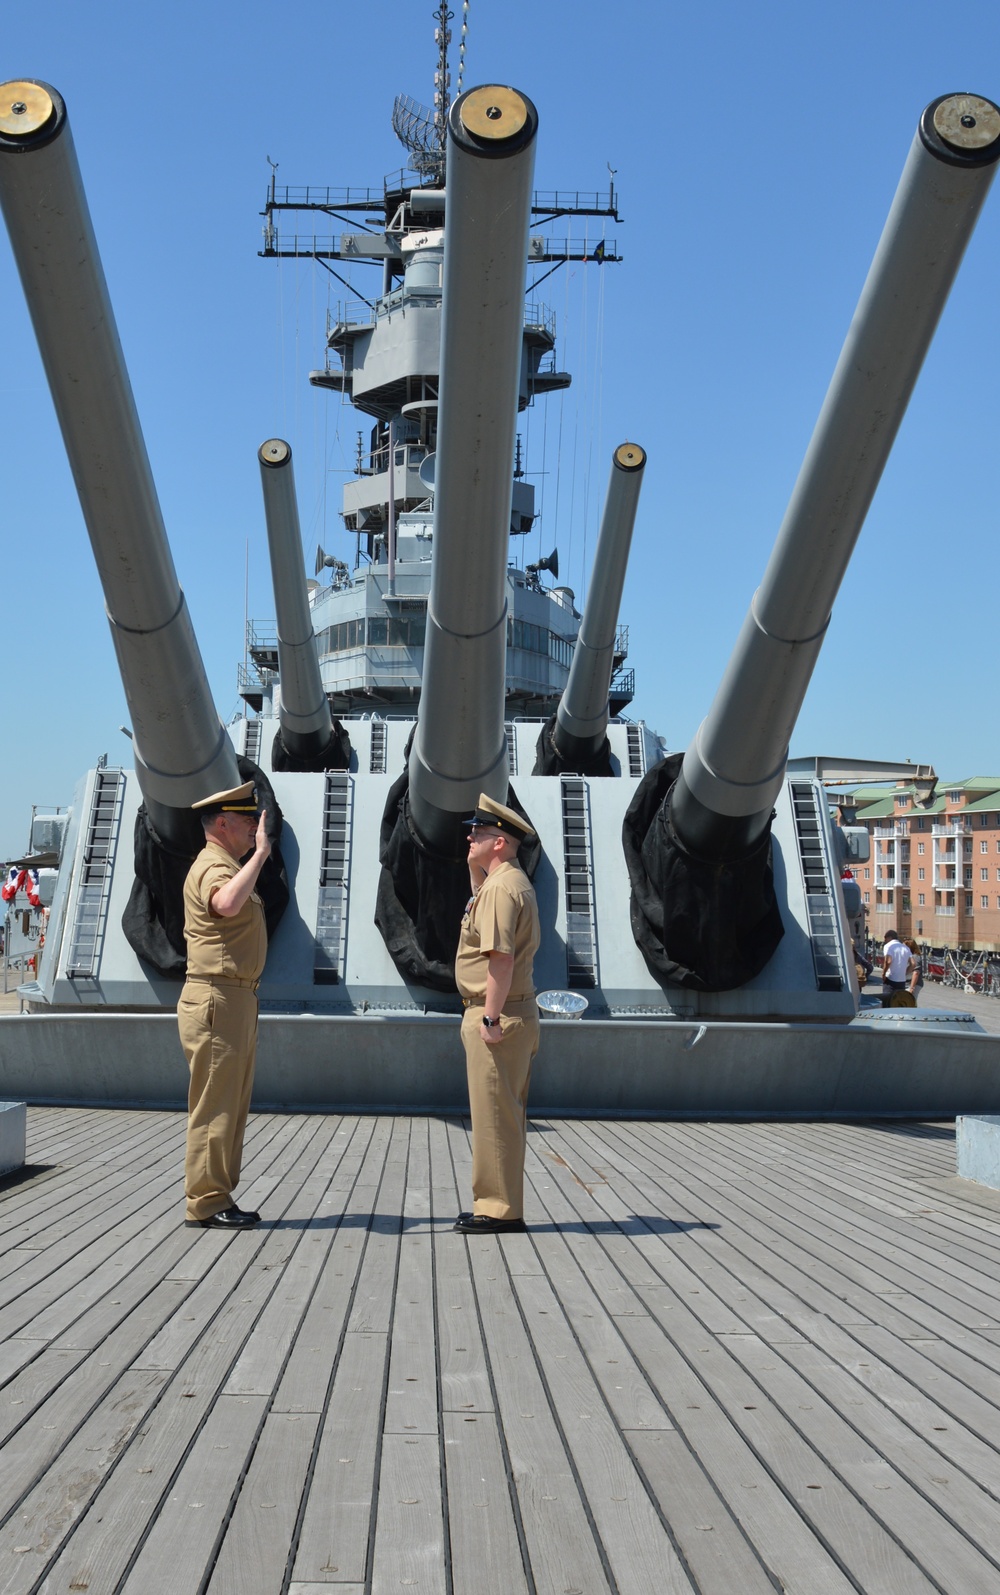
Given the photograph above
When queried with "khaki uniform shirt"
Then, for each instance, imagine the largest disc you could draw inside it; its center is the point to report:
(502, 918)
(223, 949)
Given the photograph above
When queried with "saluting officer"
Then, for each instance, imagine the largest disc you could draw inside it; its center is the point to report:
(217, 1012)
(493, 970)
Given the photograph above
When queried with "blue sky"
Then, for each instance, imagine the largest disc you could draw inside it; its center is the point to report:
(757, 152)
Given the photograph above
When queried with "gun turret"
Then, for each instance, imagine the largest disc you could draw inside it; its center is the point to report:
(717, 816)
(577, 740)
(181, 748)
(309, 738)
(459, 748)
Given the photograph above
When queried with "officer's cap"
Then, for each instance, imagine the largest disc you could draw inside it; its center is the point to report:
(239, 800)
(496, 817)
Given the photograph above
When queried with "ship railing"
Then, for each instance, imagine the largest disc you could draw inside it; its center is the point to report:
(543, 248)
(261, 634)
(576, 202)
(250, 678)
(348, 314)
(316, 197)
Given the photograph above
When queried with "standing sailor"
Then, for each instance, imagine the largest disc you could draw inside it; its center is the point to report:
(493, 970)
(217, 1011)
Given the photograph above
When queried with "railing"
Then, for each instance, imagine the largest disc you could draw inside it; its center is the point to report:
(952, 828)
(544, 202)
(349, 314)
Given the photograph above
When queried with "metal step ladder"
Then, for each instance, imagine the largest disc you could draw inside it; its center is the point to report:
(251, 745)
(821, 907)
(578, 862)
(636, 751)
(334, 879)
(511, 747)
(376, 762)
(100, 845)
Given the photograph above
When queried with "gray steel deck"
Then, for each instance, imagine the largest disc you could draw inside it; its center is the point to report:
(726, 1358)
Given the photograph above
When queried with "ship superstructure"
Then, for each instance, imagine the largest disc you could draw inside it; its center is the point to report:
(384, 355)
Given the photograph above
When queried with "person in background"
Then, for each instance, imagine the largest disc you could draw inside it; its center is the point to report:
(916, 972)
(896, 961)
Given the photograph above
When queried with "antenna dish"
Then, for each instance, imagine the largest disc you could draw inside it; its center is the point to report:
(426, 471)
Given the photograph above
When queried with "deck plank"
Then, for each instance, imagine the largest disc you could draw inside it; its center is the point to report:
(409, 1544)
(486, 1553)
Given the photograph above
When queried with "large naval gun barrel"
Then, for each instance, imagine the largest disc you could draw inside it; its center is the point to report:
(703, 906)
(735, 766)
(459, 748)
(307, 739)
(181, 749)
(579, 735)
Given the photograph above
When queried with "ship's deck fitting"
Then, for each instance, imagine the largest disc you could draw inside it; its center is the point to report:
(726, 1358)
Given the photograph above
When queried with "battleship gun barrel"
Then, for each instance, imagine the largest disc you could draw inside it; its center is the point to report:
(732, 772)
(304, 709)
(182, 752)
(582, 715)
(459, 748)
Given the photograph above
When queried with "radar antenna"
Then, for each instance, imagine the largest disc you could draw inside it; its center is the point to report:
(420, 128)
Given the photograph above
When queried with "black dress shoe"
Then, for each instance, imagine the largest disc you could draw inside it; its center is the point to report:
(482, 1224)
(230, 1218)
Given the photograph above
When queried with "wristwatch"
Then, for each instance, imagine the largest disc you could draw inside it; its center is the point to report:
(491, 1024)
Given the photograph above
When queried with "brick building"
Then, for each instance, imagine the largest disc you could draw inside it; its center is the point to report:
(934, 872)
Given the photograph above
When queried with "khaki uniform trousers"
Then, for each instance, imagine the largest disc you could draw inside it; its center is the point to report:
(499, 1076)
(217, 1021)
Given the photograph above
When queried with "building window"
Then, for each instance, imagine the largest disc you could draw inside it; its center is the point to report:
(984, 820)
(920, 899)
(920, 847)
(954, 797)
(919, 822)
(868, 876)
(984, 874)
(984, 846)
(984, 901)
(920, 874)
(968, 902)
(868, 898)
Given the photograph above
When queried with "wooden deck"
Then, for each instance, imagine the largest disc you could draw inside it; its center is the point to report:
(728, 1358)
